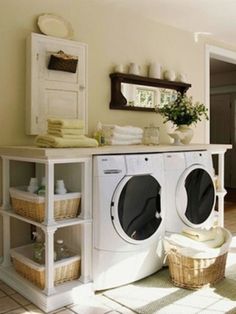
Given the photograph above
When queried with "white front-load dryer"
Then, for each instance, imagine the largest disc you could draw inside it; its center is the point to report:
(190, 190)
(128, 218)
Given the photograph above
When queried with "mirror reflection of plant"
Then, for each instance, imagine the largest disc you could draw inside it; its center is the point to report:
(183, 111)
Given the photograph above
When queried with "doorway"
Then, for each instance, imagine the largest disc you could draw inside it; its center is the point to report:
(222, 112)
(222, 124)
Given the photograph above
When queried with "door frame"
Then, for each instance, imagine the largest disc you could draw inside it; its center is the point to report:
(222, 55)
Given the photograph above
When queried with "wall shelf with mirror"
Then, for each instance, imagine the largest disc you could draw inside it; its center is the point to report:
(141, 93)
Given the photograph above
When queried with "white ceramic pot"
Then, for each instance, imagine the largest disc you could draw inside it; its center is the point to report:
(186, 132)
(181, 77)
(119, 68)
(33, 185)
(60, 187)
(155, 70)
(169, 75)
(134, 68)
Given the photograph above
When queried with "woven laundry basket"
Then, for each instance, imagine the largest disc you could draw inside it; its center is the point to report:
(32, 206)
(64, 270)
(199, 271)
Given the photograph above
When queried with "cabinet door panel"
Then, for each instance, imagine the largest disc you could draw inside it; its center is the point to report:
(52, 93)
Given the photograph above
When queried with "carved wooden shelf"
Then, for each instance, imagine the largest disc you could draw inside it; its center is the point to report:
(118, 101)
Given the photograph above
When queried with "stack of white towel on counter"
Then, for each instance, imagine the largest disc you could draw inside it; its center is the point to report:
(122, 135)
(65, 133)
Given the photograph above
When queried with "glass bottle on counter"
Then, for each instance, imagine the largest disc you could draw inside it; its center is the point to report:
(41, 189)
(38, 249)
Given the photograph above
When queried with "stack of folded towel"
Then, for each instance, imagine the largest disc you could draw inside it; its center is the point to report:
(65, 133)
(122, 135)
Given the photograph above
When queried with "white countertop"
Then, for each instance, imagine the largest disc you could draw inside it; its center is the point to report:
(47, 153)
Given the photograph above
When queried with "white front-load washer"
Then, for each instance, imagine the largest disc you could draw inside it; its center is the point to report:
(190, 190)
(128, 218)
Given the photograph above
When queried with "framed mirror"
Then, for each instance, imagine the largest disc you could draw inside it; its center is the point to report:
(134, 92)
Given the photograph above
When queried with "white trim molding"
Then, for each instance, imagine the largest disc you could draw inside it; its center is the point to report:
(222, 55)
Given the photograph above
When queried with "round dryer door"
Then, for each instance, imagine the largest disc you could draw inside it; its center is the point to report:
(136, 208)
(195, 196)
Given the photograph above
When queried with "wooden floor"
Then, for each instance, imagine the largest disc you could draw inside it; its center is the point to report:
(230, 210)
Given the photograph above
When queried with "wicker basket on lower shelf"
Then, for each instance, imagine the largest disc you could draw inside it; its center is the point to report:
(65, 270)
(32, 206)
(204, 269)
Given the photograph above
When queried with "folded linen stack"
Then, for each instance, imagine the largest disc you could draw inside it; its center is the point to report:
(65, 133)
(122, 135)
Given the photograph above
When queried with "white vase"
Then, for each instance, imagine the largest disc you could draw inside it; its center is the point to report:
(187, 133)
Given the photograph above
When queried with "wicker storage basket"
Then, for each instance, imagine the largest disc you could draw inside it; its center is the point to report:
(192, 273)
(64, 270)
(198, 272)
(32, 206)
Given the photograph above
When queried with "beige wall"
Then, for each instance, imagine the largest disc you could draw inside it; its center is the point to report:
(113, 36)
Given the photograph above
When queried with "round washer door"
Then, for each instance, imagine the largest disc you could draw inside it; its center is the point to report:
(136, 208)
(195, 196)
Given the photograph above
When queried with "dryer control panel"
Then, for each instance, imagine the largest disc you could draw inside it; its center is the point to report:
(138, 164)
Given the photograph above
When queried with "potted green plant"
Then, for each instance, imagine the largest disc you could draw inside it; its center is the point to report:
(183, 112)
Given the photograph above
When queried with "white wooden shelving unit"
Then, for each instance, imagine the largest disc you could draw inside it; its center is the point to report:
(52, 297)
(220, 189)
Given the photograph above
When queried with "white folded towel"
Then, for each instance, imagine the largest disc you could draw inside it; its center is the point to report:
(124, 142)
(197, 249)
(200, 234)
(127, 130)
(126, 137)
(183, 241)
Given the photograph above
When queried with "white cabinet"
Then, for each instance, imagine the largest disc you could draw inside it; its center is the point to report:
(76, 232)
(52, 93)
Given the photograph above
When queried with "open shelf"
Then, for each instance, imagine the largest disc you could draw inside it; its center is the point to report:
(64, 294)
(57, 223)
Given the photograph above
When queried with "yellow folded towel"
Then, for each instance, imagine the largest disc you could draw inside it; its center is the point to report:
(60, 142)
(66, 123)
(66, 133)
(200, 234)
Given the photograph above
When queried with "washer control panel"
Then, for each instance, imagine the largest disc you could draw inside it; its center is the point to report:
(109, 165)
